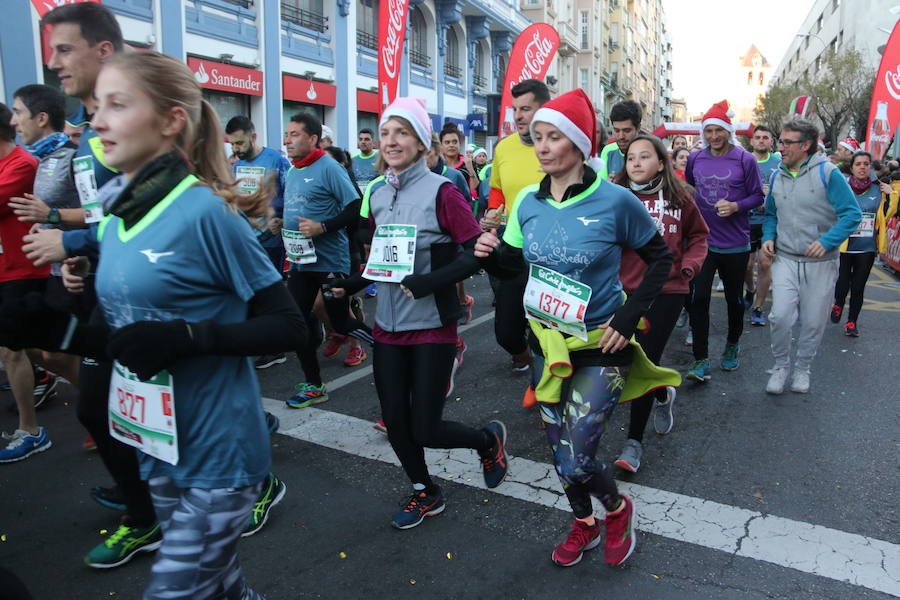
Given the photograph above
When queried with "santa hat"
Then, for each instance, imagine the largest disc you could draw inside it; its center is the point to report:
(573, 114)
(719, 114)
(478, 151)
(414, 111)
(850, 144)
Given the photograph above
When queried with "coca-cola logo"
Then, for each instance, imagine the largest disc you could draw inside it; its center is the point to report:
(390, 48)
(537, 53)
(892, 82)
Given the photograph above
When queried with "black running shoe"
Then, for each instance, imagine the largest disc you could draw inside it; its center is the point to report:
(44, 388)
(493, 461)
(419, 506)
(109, 497)
(269, 360)
(272, 422)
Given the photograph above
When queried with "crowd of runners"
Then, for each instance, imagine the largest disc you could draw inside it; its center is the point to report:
(155, 272)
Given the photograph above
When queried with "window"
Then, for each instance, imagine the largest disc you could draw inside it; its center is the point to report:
(584, 80)
(451, 61)
(749, 77)
(367, 24)
(501, 72)
(418, 47)
(584, 30)
(834, 5)
(819, 24)
(305, 13)
(479, 78)
(760, 78)
(818, 63)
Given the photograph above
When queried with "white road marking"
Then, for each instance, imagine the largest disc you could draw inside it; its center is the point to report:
(859, 560)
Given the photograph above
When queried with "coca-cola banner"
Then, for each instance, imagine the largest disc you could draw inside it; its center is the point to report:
(227, 78)
(391, 31)
(884, 112)
(45, 6)
(531, 57)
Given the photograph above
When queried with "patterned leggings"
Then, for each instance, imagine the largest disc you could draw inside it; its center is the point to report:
(201, 528)
(574, 427)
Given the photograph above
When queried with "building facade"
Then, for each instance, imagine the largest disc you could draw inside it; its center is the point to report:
(269, 59)
(752, 81)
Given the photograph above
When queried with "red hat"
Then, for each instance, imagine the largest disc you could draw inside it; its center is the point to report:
(720, 114)
(573, 114)
(850, 144)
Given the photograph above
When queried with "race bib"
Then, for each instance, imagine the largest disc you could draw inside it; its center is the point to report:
(557, 301)
(86, 184)
(866, 226)
(298, 249)
(249, 179)
(142, 413)
(393, 253)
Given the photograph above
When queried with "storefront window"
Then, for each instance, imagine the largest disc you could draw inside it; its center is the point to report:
(228, 105)
(290, 108)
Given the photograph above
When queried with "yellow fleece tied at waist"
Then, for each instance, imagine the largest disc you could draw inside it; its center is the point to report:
(643, 376)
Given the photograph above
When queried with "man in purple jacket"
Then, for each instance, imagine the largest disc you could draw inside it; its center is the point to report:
(727, 186)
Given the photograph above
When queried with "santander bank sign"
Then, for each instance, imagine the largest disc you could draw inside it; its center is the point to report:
(227, 78)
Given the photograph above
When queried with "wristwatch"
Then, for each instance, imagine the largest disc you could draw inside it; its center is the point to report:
(53, 217)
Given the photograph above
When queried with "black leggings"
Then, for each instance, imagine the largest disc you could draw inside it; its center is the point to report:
(662, 316)
(411, 382)
(732, 269)
(852, 276)
(304, 286)
(510, 324)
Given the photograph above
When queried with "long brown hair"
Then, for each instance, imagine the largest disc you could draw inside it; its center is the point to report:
(676, 192)
(170, 83)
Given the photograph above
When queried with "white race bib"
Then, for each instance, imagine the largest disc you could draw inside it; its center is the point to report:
(393, 253)
(142, 413)
(86, 184)
(249, 179)
(866, 226)
(557, 301)
(299, 250)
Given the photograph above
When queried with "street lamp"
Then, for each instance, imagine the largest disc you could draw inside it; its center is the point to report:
(807, 35)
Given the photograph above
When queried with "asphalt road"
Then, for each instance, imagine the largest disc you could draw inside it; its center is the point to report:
(822, 462)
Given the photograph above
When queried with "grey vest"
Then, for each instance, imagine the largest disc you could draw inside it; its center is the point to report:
(804, 211)
(415, 203)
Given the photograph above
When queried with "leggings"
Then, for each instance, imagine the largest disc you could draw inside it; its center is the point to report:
(662, 316)
(411, 382)
(732, 269)
(510, 324)
(198, 556)
(852, 276)
(304, 286)
(574, 426)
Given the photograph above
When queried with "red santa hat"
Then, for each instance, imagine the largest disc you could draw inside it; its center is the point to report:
(573, 114)
(719, 114)
(850, 144)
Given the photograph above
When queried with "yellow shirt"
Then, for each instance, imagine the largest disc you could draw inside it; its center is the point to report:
(515, 166)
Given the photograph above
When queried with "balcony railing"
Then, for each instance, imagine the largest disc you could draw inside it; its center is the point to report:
(304, 18)
(366, 40)
(452, 71)
(419, 58)
(480, 81)
(241, 3)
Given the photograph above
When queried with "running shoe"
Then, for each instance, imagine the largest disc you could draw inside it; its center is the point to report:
(664, 412)
(461, 347)
(380, 426)
(777, 380)
(355, 356)
(756, 318)
(689, 340)
(356, 307)
(851, 330)
(630, 457)
(470, 301)
(581, 538)
(21, 444)
(519, 366)
(620, 534)
(748, 299)
(307, 395)
(89, 443)
(371, 290)
(800, 381)
(730, 360)
(109, 497)
(333, 347)
(272, 422)
(529, 398)
(273, 490)
(419, 506)
(123, 545)
(699, 371)
(682, 319)
(493, 461)
(269, 360)
(836, 312)
(44, 387)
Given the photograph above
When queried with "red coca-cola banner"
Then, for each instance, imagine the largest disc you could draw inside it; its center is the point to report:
(227, 78)
(531, 57)
(45, 6)
(391, 31)
(884, 112)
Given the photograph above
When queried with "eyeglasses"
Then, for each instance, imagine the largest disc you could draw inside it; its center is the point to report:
(789, 142)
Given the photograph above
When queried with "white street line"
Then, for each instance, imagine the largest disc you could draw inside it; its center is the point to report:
(859, 560)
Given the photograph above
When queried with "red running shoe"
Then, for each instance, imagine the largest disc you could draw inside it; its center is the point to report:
(851, 329)
(333, 347)
(380, 426)
(836, 312)
(89, 443)
(469, 303)
(581, 538)
(620, 534)
(355, 356)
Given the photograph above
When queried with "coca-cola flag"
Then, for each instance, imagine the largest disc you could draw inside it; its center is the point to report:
(391, 31)
(45, 6)
(531, 57)
(884, 112)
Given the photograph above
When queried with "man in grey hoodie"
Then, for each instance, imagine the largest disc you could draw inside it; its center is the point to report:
(810, 211)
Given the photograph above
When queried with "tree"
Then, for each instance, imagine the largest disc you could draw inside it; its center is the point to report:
(859, 114)
(773, 107)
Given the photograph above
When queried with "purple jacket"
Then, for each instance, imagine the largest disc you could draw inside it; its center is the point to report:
(733, 176)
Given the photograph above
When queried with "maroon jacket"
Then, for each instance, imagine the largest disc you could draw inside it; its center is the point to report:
(685, 232)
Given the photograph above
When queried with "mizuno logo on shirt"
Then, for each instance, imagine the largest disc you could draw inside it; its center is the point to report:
(308, 179)
(587, 222)
(154, 257)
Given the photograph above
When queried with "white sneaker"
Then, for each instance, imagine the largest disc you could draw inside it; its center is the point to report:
(778, 379)
(800, 382)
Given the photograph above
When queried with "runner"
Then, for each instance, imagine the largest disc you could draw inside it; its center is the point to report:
(846, 148)
(626, 123)
(579, 319)
(727, 186)
(319, 203)
(767, 162)
(364, 161)
(679, 141)
(819, 211)
(859, 251)
(649, 175)
(679, 161)
(415, 256)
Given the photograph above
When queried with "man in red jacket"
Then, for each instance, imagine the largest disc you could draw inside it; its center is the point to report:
(18, 277)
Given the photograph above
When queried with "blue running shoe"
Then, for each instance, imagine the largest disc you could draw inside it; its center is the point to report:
(371, 290)
(699, 371)
(307, 395)
(272, 422)
(22, 444)
(756, 318)
(419, 506)
(109, 497)
(730, 360)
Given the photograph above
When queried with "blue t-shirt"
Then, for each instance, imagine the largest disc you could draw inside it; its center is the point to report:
(766, 168)
(319, 192)
(582, 238)
(364, 168)
(207, 267)
(869, 202)
(275, 163)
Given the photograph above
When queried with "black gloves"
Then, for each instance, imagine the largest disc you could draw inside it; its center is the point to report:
(28, 322)
(148, 347)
